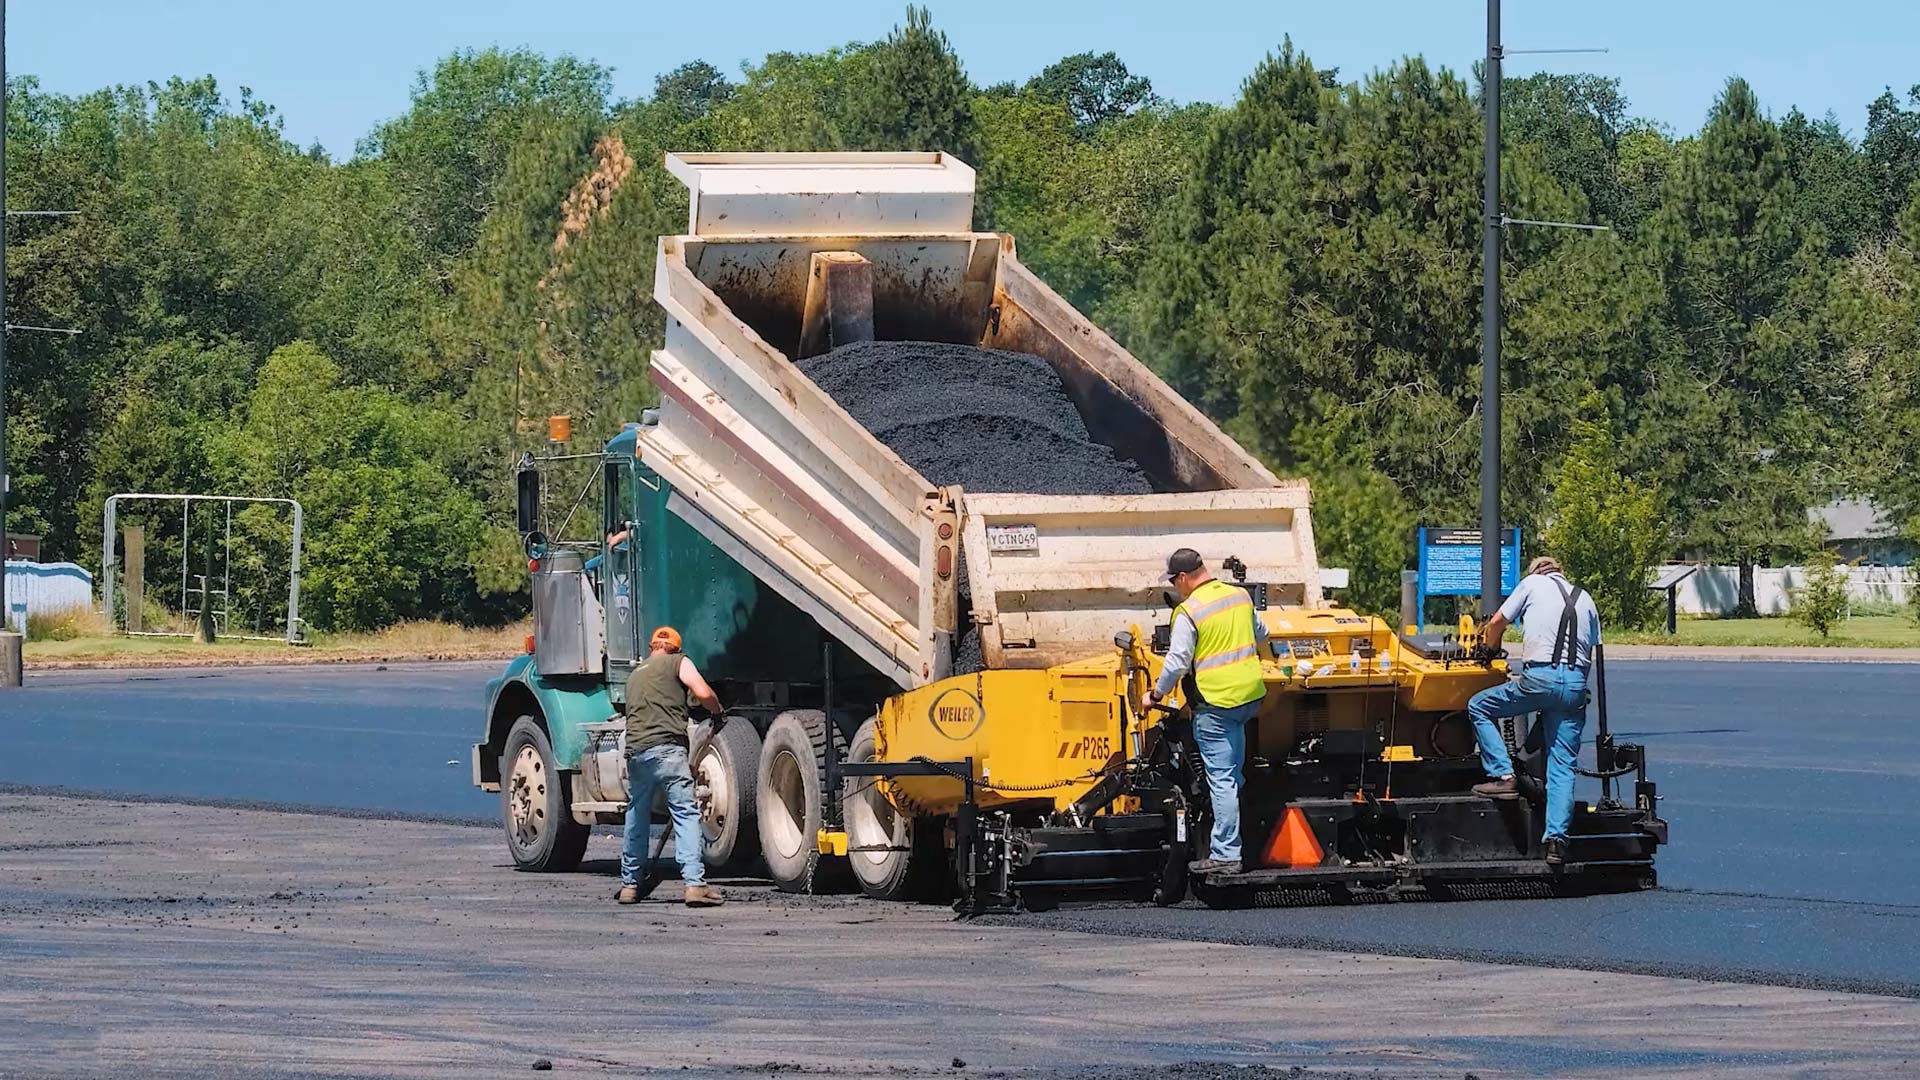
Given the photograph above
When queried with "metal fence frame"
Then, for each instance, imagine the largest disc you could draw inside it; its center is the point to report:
(109, 514)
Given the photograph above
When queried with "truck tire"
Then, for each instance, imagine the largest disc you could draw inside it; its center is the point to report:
(789, 791)
(893, 855)
(535, 806)
(729, 767)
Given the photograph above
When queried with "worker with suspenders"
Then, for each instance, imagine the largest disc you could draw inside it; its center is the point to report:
(1561, 627)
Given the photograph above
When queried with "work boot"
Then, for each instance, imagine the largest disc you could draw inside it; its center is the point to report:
(629, 894)
(1216, 866)
(1556, 850)
(1503, 788)
(704, 896)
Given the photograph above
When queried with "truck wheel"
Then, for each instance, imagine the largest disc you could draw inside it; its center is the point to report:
(789, 792)
(894, 855)
(729, 768)
(535, 805)
(789, 795)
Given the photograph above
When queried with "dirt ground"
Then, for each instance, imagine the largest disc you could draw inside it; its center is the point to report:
(161, 940)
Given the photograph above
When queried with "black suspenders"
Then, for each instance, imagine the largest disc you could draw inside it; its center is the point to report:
(1566, 640)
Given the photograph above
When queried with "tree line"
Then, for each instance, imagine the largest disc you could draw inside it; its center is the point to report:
(379, 337)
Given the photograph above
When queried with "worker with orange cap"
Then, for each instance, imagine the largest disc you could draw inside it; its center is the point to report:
(658, 694)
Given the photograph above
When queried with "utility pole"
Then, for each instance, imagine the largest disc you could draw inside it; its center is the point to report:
(9, 642)
(1490, 231)
(1493, 223)
(11, 662)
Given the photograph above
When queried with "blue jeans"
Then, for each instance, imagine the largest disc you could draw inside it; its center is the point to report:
(665, 766)
(1222, 737)
(1559, 695)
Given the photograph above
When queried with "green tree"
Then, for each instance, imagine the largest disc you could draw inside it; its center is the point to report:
(389, 533)
(1739, 445)
(909, 92)
(1821, 602)
(1875, 308)
(1095, 89)
(450, 149)
(1892, 149)
(1646, 156)
(1604, 526)
(1575, 122)
(1832, 179)
(1318, 273)
(1361, 522)
(692, 90)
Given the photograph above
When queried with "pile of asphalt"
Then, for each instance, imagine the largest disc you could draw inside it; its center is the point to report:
(988, 420)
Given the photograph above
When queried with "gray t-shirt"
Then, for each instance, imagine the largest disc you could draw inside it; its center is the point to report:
(1537, 606)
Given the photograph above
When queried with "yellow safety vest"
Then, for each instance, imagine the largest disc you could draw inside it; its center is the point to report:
(1225, 665)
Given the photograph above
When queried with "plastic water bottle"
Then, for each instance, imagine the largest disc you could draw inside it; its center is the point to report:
(1353, 661)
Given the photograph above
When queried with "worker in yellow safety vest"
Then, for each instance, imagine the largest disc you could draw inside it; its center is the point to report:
(1217, 638)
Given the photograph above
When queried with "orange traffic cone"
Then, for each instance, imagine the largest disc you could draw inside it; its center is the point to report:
(1293, 843)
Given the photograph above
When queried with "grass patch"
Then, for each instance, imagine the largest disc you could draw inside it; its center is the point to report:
(414, 641)
(1861, 631)
(65, 624)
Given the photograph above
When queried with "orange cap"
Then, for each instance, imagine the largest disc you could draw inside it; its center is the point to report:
(666, 637)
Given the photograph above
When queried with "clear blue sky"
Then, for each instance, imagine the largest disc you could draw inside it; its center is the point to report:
(336, 69)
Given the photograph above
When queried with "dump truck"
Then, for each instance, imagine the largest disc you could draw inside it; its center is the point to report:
(824, 588)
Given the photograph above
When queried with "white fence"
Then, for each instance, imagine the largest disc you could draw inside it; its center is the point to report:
(41, 587)
(1715, 590)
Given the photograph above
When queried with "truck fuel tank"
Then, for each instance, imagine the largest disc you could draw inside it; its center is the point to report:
(569, 631)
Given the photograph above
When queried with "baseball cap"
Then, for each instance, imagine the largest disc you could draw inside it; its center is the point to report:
(1183, 561)
(667, 636)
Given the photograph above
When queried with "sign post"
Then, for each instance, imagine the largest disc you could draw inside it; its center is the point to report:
(1450, 565)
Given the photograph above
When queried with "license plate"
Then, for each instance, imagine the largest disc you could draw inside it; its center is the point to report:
(1002, 538)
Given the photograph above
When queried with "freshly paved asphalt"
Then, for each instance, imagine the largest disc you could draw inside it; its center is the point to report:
(391, 738)
(1790, 790)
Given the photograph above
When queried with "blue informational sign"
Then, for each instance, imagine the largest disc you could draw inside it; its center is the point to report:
(1450, 563)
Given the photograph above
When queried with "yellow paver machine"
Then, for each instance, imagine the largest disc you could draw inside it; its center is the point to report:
(1357, 779)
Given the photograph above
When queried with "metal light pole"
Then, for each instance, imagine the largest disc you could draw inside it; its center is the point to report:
(1490, 229)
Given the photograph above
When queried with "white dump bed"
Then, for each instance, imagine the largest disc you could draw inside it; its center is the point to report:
(768, 467)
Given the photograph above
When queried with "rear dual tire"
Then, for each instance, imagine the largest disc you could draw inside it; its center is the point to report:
(893, 855)
(789, 789)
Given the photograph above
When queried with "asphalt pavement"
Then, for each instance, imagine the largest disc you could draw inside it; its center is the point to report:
(1789, 791)
(392, 738)
(162, 940)
(1788, 787)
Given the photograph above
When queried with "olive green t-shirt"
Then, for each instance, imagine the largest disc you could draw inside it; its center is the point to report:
(656, 704)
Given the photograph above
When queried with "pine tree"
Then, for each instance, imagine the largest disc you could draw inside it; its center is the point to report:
(1317, 283)
(1739, 440)
(910, 93)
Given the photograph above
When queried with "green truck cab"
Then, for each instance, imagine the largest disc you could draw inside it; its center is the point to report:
(551, 745)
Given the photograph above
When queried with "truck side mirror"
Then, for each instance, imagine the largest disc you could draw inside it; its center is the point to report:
(527, 484)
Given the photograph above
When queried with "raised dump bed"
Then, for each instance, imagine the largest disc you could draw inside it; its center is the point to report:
(768, 467)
